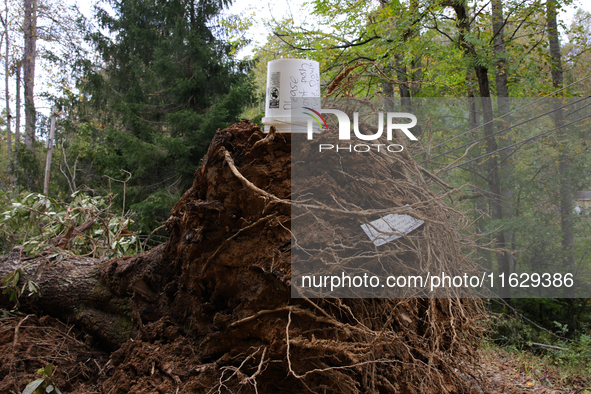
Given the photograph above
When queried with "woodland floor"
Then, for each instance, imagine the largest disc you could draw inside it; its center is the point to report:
(523, 372)
(28, 343)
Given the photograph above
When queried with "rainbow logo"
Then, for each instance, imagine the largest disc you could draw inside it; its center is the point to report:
(316, 117)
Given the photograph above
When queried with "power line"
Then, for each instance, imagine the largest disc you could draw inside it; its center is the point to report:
(508, 113)
(517, 143)
(501, 131)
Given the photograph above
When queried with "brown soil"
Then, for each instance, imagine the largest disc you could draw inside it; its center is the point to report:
(81, 369)
(212, 311)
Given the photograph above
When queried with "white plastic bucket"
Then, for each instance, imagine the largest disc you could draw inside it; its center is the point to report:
(287, 79)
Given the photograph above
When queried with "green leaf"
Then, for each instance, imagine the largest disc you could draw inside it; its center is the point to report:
(31, 387)
(49, 370)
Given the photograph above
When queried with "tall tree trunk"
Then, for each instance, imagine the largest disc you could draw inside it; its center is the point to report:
(494, 184)
(503, 105)
(387, 86)
(402, 76)
(402, 71)
(401, 68)
(30, 29)
(564, 166)
(501, 75)
(388, 92)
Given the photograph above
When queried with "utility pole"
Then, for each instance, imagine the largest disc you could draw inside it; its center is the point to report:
(49, 151)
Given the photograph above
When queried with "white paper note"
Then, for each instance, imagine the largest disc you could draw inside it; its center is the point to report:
(390, 227)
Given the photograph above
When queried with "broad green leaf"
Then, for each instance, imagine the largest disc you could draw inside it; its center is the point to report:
(49, 370)
(31, 387)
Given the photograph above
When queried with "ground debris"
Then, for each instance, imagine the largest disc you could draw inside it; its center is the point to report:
(28, 343)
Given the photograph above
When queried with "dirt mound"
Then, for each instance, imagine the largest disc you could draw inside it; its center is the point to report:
(215, 315)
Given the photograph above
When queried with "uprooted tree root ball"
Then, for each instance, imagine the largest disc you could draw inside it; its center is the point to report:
(229, 303)
(211, 309)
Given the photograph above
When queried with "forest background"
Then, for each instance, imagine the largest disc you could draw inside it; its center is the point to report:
(133, 96)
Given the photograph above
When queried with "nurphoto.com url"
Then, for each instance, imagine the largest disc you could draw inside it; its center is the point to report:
(439, 281)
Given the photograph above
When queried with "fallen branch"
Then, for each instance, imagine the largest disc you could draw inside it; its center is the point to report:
(16, 330)
(150, 236)
(549, 346)
(62, 240)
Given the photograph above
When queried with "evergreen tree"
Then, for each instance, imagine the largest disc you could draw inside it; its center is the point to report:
(167, 84)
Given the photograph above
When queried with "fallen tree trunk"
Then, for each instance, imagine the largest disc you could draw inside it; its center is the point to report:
(95, 295)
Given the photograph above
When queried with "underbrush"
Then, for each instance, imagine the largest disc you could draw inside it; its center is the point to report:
(85, 226)
(539, 355)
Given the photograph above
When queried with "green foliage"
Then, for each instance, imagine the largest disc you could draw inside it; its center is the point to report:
(45, 384)
(28, 168)
(156, 206)
(554, 346)
(167, 82)
(43, 225)
(382, 39)
(11, 286)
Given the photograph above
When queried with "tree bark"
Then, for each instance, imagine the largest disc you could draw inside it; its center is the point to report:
(402, 75)
(104, 298)
(388, 92)
(501, 74)
(564, 166)
(30, 30)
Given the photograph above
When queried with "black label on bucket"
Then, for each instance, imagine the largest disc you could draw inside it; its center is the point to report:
(274, 90)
